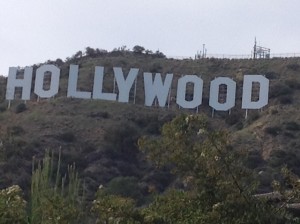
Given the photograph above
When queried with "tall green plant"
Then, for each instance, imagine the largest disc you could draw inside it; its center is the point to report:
(51, 201)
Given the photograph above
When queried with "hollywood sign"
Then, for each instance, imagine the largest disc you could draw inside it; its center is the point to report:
(154, 86)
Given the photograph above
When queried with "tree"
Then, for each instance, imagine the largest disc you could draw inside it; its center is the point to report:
(91, 52)
(100, 52)
(159, 54)
(218, 187)
(78, 54)
(138, 49)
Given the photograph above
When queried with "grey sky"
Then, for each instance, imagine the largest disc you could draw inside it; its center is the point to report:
(34, 31)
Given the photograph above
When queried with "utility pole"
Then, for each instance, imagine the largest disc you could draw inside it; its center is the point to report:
(254, 49)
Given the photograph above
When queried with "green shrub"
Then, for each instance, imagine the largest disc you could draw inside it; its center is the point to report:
(275, 130)
(265, 179)
(292, 126)
(16, 130)
(125, 187)
(123, 138)
(279, 89)
(271, 75)
(277, 158)
(294, 67)
(100, 114)
(12, 206)
(153, 128)
(293, 83)
(114, 209)
(254, 159)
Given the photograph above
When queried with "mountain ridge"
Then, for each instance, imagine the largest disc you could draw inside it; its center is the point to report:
(101, 136)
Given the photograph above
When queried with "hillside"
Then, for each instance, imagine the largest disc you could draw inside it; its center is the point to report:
(101, 136)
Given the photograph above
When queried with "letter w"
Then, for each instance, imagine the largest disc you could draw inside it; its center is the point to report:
(157, 88)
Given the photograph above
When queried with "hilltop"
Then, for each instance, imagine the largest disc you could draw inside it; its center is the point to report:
(101, 136)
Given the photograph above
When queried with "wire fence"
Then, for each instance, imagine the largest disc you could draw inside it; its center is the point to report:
(237, 56)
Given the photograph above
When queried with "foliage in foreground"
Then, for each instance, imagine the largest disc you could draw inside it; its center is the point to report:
(214, 187)
(51, 201)
(218, 188)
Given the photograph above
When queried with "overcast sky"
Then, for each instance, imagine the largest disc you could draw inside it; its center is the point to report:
(34, 31)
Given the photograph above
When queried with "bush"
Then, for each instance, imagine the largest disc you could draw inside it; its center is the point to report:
(265, 179)
(254, 159)
(253, 116)
(124, 186)
(2, 108)
(292, 126)
(289, 134)
(20, 108)
(271, 75)
(280, 89)
(100, 114)
(233, 118)
(289, 157)
(16, 130)
(275, 130)
(67, 136)
(153, 128)
(114, 209)
(293, 83)
(277, 158)
(12, 206)
(122, 137)
(287, 99)
(294, 67)
(156, 68)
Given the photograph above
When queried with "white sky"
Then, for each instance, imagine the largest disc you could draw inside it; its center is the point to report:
(33, 31)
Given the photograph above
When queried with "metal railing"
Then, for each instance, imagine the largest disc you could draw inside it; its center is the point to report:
(237, 56)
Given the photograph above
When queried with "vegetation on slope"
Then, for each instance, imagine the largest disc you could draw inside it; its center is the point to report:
(101, 136)
(213, 186)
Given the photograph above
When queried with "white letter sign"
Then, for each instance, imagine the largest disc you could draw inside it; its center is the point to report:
(214, 94)
(157, 88)
(181, 90)
(255, 88)
(13, 82)
(247, 92)
(72, 85)
(98, 86)
(125, 85)
(39, 81)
